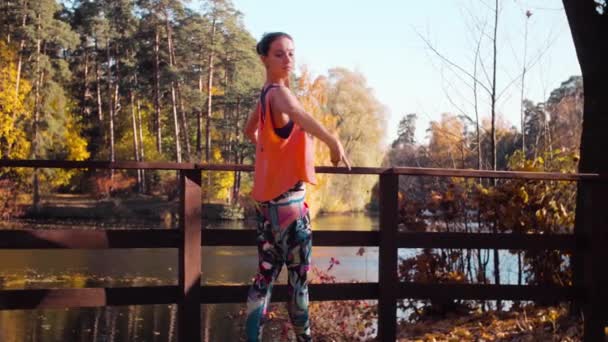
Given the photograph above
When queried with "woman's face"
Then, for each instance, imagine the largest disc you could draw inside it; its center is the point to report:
(281, 57)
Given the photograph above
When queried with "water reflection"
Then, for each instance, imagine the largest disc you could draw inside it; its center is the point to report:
(141, 267)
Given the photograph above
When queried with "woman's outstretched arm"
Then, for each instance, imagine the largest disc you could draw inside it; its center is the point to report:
(284, 101)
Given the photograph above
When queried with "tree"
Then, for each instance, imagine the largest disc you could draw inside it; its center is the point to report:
(588, 21)
(565, 110)
(15, 114)
(406, 131)
(535, 128)
(447, 145)
(48, 35)
(360, 124)
(218, 14)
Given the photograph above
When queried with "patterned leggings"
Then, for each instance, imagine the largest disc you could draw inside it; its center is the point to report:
(276, 246)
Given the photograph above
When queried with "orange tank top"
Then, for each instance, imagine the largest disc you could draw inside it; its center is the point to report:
(279, 162)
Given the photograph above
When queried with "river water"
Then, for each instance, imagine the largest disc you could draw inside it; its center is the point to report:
(146, 267)
(141, 267)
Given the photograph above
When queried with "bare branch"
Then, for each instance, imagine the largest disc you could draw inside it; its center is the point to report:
(533, 62)
(447, 60)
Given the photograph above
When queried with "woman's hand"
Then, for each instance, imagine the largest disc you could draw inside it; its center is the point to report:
(338, 155)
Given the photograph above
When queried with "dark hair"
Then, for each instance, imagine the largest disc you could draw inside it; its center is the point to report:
(264, 45)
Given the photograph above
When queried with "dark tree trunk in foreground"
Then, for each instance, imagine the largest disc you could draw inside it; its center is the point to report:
(589, 27)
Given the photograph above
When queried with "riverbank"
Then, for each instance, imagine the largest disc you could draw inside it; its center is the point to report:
(525, 324)
(528, 323)
(136, 207)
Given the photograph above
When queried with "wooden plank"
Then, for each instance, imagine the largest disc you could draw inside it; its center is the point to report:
(319, 169)
(93, 297)
(88, 239)
(170, 238)
(359, 291)
(69, 164)
(189, 273)
(216, 294)
(411, 171)
(566, 242)
(488, 292)
(233, 237)
(225, 167)
(387, 255)
(87, 297)
(353, 171)
(469, 173)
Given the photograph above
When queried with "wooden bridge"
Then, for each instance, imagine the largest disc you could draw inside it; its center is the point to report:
(587, 245)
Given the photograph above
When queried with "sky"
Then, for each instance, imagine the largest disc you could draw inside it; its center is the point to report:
(384, 40)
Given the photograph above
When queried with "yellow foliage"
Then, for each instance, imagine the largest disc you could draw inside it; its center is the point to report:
(221, 181)
(14, 112)
(76, 147)
(216, 91)
(313, 97)
(75, 143)
(447, 143)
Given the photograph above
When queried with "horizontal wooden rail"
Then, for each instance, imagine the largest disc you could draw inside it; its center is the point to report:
(471, 173)
(88, 239)
(318, 292)
(86, 297)
(566, 242)
(230, 237)
(69, 164)
(411, 171)
(487, 292)
(360, 291)
(170, 238)
(217, 294)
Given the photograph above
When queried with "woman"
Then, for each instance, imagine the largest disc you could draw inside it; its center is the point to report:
(280, 128)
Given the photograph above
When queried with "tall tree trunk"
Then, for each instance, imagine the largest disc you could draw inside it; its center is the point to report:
(157, 90)
(184, 120)
(110, 110)
(117, 80)
(180, 100)
(236, 150)
(521, 98)
(209, 94)
(199, 123)
(226, 113)
(135, 138)
(589, 30)
(21, 46)
(493, 94)
(86, 93)
(36, 139)
(476, 107)
(142, 154)
(98, 86)
(496, 257)
(520, 254)
(178, 149)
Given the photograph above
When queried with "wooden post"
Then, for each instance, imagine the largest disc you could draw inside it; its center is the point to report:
(387, 268)
(189, 282)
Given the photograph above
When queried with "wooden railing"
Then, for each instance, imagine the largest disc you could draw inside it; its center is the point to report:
(189, 238)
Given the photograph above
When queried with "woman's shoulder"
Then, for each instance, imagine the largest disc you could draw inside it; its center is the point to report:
(280, 91)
